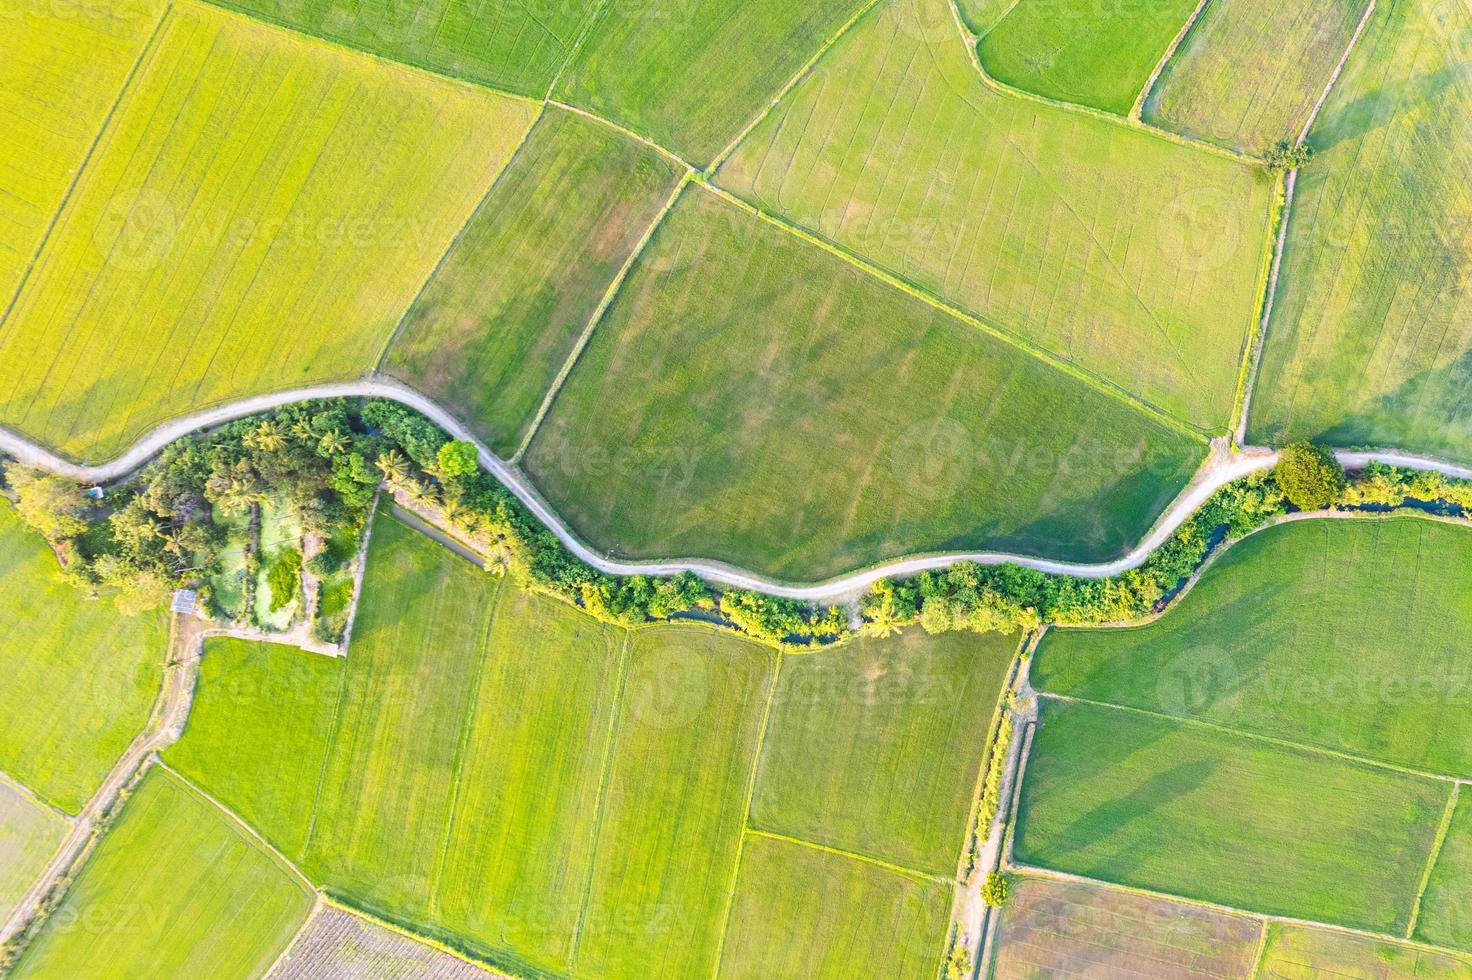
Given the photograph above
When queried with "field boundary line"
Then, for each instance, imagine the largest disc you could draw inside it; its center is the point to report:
(577, 46)
(463, 743)
(1261, 953)
(1137, 110)
(237, 822)
(660, 148)
(328, 901)
(434, 270)
(746, 828)
(792, 83)
(1253, 361)
(1075, 371)
(898, 869)
(1436, 845)
(21, 789)
(969, 42)
(1255, 736)
(595, 318)
(342, 693)
(318, 904)
(66, 196)
(605, 776)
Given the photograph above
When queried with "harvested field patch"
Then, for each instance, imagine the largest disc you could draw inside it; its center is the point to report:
(495, 324)
(1250, 71)
(79, 677)
(1371, 336)
(244, 225)
(1186, 810)
(802, 912)
(1070, 929)
(873, 747)
(61, 69)
(1083, 51)
(29, 835)
(689, 730)
(754, 398)
(258, 731)
(517, 47)
(1349, 635)
(1300, 953)
(338, 945)
(691, 76)
(1132, 255)
(176, 888)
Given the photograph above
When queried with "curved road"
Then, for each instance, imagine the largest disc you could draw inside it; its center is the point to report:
(1221, 467)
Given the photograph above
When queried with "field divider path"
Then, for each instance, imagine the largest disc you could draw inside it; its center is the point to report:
(71, 186)
(1282, 743)
(1441, 832)
(555, 388)
(898, 869)
(1220, 468)
(1080, 374)
(625, 131)
(1290, 182)
(1137, 110)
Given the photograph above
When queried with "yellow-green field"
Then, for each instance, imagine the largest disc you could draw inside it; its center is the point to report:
(176, 889)
(1301, 953)
(30, 832)
(62, 66)
(1135, 256)
(1250, 71)
(259, 214)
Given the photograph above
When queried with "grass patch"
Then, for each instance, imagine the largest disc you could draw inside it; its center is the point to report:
(692, 76)
(803, 430)
(61, 69)
(516, 47)
(518, 852)
(1083, 51)
(1122, 251)
(257, 733)
(1302, 953)
(1064, 928)
(175, 889)
(280, 566)
(1348, 635)
(555, 230)
(802, 912)
(874, 746)
(1446, 907)
(1177, 808)
(245, 225)
(1250, 71)
(79, 678)
(228, 583)
(29, 835)
(1371, 337)
(688, 733)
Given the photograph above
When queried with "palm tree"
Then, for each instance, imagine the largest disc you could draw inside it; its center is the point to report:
(333, 442)
(302, 429)
(394, 467)
(266, 437)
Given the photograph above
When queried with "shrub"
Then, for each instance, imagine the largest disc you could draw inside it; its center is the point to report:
(1310, 477)
(323, 564)
(284, 577)
(1287, 155)
(996, 888)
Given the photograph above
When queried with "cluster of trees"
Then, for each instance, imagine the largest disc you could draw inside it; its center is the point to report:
(1285, 155)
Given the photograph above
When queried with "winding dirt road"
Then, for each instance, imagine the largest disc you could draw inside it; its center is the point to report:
(1220, 468)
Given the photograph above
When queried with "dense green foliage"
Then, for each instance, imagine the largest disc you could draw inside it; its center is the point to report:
(1178, 808)
(1309, 476)
(996, 888)
(178, 889)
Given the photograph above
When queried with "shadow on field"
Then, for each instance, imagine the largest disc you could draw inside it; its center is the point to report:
(1430, 411)
(1375, 109)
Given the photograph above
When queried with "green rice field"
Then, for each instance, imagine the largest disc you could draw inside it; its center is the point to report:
(232, 233)
(1198, 812)
(980, 16)
(1133, 256)
(1083, 51)
(30, 833)
(690, 75)
(61, 69)
(79, 678)
(1329, 633)
(1302, 953)
(1370, 341)
(874, 747)
(873, 921)
(801, 432)
(1446, 907)
(1250, 71)
(177, 888)
(516, 47)
(490, 345)
(499, 771)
